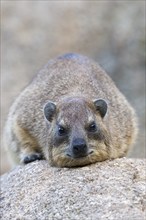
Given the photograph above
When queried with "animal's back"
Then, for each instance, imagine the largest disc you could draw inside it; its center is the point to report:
(69, 75)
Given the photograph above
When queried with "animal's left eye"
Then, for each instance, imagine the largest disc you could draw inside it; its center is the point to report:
(92, 127)
(61, 130)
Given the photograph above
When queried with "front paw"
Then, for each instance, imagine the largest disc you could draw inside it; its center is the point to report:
(32, 157)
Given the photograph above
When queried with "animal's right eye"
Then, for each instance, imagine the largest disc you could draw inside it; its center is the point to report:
(61, 130)
(92, 127)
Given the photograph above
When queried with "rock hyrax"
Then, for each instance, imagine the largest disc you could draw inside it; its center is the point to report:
(71, 114)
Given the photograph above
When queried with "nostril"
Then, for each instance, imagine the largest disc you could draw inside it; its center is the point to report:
(75, 148)
(79, 148)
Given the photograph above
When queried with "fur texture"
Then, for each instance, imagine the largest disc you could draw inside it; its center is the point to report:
(71, 83)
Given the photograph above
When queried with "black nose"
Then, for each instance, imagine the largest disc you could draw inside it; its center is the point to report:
(79, 147)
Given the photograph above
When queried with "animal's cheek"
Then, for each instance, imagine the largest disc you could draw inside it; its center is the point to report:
(59, 155)
(99, 150)
(97, 136)
(58, 141)
(97, 146)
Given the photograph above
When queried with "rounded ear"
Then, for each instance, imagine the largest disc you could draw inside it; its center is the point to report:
(101, 106)
(49, 110)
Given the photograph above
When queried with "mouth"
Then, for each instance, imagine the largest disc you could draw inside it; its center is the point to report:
(69, 160)
(75, 157)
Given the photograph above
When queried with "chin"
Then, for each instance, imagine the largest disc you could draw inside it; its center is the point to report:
(66, 161)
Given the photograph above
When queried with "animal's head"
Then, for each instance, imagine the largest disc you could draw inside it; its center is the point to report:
(77, 133)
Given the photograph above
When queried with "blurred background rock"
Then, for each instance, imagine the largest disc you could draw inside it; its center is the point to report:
(110, 32)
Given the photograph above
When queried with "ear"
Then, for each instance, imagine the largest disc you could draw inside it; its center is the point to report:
(49, 110)
(101, 106)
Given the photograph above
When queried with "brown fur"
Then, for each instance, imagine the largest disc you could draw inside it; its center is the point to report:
(71, 81)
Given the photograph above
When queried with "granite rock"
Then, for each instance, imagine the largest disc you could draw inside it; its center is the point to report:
(112, 190)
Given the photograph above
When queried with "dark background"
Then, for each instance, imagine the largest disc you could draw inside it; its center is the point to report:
(110, 32)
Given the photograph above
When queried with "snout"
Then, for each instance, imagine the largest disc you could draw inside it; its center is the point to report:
(79, 148)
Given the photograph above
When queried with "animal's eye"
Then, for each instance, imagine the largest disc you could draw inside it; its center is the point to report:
(61, 130)
(92, 127)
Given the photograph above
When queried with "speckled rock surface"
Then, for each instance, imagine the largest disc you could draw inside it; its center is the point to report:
(113, 190)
